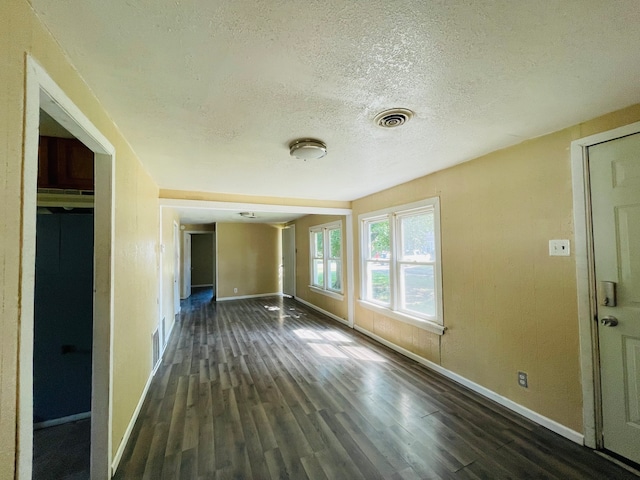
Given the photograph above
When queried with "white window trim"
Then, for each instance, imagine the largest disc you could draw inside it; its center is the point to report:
(433, 324)
(338, 295)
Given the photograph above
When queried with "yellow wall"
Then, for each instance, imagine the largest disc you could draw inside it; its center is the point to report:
(508, 306)
(303, 265)
(249, 258)
(136, 227)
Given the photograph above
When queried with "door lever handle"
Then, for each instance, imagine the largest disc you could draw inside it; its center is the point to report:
(609, 321)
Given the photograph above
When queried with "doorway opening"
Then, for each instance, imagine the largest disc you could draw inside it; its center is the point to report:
(63, 304)
(42, 93)
(199, 260)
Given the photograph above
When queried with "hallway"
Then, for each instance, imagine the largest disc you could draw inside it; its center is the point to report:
(267, 388)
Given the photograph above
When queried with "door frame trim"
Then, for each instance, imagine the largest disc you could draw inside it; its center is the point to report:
(585, 280)
(291, 227)
(41, 91)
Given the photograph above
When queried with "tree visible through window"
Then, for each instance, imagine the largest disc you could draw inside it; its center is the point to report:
(400, 260)
(326, 257)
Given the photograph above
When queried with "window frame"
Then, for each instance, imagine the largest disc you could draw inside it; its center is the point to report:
(394, 307)
(325, 229)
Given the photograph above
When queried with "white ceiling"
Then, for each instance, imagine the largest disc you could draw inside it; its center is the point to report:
(210, 94)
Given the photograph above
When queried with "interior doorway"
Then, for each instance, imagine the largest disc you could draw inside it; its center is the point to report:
(199, 260)
(42, 93)
(606, 171)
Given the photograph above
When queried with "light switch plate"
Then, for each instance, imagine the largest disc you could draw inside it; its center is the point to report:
(559, 248)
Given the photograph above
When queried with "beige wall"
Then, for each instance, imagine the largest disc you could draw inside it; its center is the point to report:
(303, 265)
(202, 259)
(249, 258)
(136, 227)
(508, 306)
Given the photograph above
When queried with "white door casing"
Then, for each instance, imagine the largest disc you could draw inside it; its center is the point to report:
(614, 168)
(176, 268)
(289, 260)
(43, 93)
(186, 265)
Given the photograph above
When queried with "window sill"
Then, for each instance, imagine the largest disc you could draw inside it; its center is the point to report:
(427, 325)
(328, 293)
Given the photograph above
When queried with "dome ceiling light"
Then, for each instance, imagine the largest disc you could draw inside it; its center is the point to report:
(394, 117)
(307, 149)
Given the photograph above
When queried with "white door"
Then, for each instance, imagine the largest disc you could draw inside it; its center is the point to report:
(176, 269)
(289, 261)
(614, 169)
(186, 266)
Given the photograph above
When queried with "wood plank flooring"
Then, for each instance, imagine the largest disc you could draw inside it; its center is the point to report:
(267, 389)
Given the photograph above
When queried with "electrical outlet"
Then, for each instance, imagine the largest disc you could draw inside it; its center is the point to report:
(523, 380)
(235, 290)
(559, 248)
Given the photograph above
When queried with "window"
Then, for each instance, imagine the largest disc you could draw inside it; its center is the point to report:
(326, 258)
(400, 273)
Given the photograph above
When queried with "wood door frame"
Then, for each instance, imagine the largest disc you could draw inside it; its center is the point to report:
(41, 91)
(585, 278)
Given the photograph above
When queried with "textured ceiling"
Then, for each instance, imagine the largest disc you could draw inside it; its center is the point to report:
(209, 94)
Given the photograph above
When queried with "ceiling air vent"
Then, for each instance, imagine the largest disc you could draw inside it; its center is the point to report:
(395, 117)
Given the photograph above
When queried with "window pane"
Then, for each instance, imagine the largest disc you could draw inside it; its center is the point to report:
(335, 243)
(318, 273)
(417, 289)
(418, 239)
(378, 282)
(378, 239)
(335, 275)
(318, 243)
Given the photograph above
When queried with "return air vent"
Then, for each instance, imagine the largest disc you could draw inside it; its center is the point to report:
(395, 117)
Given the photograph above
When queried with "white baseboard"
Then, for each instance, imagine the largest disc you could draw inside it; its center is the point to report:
(132, 422)
(324, 312)
(61, 420)
(241, 297)
(485, 392)
(202, 285)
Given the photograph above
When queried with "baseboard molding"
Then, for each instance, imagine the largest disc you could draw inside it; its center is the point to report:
(485, 392)
(324, 312)
(61, 420)
(242, 297)
(202, 285)
(127, 433)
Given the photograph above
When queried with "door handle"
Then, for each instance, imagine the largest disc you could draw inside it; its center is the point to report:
(609, 321)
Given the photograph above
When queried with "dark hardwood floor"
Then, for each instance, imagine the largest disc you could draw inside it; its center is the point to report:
(267, 388)
(62, 452)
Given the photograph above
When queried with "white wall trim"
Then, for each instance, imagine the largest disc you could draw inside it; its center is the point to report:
(351, 294)
(127, 433)
(163, 348)
(62, 420)
(324, 312)
(258, 295)
(253, 207)
(584, 268)
(485, 392)
(41, 91)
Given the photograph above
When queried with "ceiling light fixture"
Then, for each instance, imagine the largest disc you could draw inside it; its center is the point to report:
(394, 117)
(307, 149)
(248, 214)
